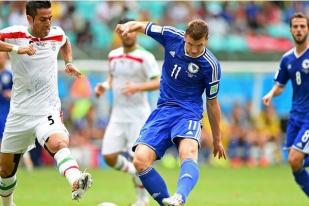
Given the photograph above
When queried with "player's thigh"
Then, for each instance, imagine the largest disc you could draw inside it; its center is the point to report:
(51, 126)
(18, 134)
(301, 142)
(114, 139)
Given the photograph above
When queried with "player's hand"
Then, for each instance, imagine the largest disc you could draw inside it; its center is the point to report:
(219, 150)
(267, 99)
(130, 89)
(7, 94)
(29, 50)
(99, 90)
(124, 29)
(71, 70)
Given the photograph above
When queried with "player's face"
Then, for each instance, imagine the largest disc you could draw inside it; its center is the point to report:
(129, 40)
(41, 23)
(194, 47)
(299, 30)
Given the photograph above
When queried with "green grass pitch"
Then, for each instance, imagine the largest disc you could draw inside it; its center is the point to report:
(273, 186)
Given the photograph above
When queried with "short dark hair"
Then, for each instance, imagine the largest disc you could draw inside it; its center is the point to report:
(32, 6)
(197, 29)
(299, 15)
(124, 20)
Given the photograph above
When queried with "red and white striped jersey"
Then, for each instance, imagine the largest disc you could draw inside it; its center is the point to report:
(136, 66)
(35, 87)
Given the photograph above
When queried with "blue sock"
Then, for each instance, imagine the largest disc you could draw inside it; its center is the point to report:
(189, 174)
(302, 179)
(306, 161)
(154, 184)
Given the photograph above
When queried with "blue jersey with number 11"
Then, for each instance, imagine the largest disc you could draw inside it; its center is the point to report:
(184, 79)
(296, 68)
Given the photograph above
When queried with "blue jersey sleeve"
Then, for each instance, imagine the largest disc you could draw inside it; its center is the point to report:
(212, 83)
(163, 34)
(282, 75)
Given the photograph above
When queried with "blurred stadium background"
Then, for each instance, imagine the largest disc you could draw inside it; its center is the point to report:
(247, 37)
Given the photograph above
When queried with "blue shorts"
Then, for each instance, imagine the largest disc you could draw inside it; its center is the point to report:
(164, 125)
(297, 136)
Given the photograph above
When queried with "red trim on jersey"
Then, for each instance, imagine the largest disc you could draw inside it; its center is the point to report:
(20, 35)
(126, 56)
(13, 35)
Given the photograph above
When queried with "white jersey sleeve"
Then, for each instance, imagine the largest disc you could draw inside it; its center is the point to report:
(151, 67)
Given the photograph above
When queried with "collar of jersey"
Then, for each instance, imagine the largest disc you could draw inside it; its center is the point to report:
(184, 48)
(299, 55)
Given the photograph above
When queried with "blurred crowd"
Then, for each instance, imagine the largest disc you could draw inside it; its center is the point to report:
(250, 139)
(234, 26)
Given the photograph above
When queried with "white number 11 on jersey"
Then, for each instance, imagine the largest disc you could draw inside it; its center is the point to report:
(175, 71)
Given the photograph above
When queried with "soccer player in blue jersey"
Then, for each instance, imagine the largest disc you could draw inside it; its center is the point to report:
(6, 83)
(189, 70)
(294, 66)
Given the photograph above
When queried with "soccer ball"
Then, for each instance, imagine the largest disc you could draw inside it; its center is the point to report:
(107, 204)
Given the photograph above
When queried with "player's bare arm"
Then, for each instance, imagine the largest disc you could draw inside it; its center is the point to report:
(214, 116)
(275, 91)
(132, 88)
(131, 26)
(67, 55)
(27, 49)
(103, 86)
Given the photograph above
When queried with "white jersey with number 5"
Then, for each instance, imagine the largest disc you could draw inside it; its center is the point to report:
(134, 67)
(35, 87)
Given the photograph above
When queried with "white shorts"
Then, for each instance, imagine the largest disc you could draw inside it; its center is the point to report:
(21, 130)
(120, 136)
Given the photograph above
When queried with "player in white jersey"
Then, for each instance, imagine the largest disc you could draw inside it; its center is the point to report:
(132, 71)
(35, 104)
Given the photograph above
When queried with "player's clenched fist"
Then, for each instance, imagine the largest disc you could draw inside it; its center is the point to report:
(99, 90)
(29, 50)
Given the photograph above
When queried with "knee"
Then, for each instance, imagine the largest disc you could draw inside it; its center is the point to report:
(57, 144)
(296, 162)
(110, 160)
(141, 163)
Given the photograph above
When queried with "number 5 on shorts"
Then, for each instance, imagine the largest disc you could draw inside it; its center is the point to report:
(50, 119)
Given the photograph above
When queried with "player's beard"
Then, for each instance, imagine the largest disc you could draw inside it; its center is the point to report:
(128, 44)
(300, 41)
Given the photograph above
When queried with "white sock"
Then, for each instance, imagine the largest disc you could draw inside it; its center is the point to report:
(124, 165)
(67, 165)
(7, 186)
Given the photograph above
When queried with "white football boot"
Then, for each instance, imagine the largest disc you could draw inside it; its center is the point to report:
(81, 186)
(175, 200)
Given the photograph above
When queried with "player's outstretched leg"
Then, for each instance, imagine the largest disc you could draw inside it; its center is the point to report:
(68, 167)
(189, 174)
(144, 156)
